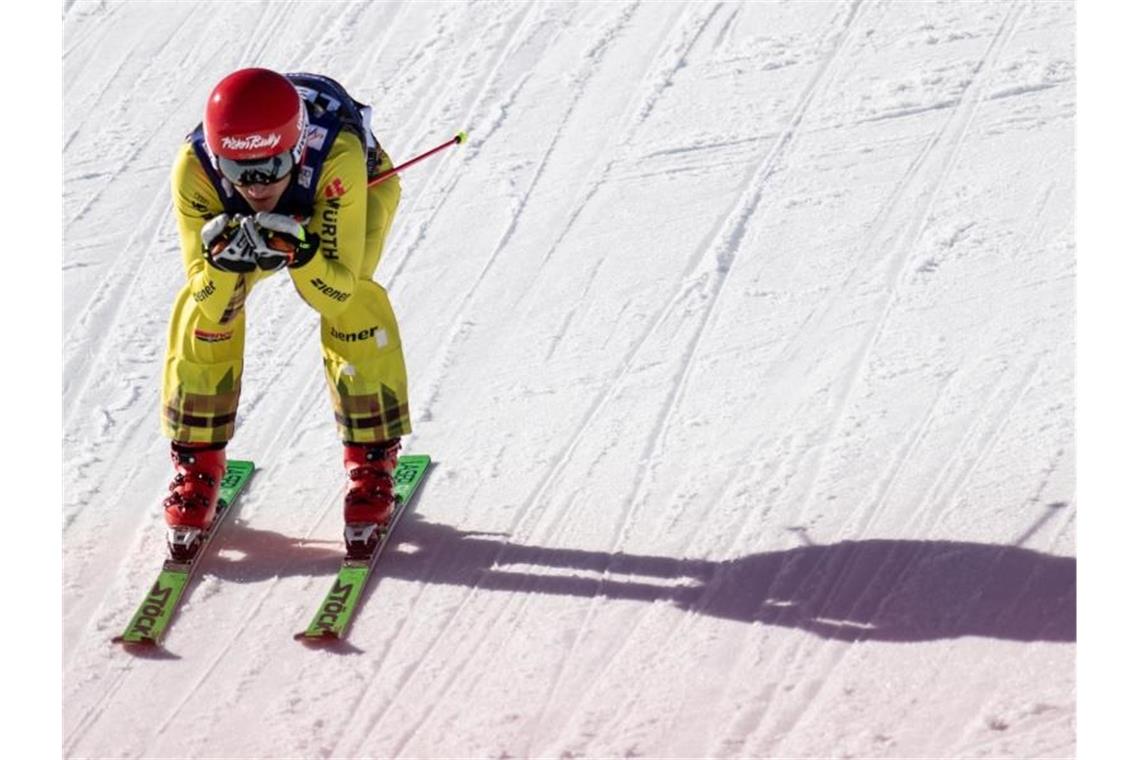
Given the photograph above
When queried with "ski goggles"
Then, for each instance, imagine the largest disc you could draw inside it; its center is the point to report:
(257, 171)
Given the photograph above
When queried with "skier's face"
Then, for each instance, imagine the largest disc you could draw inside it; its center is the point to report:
(263, 197)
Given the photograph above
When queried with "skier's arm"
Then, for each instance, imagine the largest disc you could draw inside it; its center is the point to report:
(328, 280)
(195, 202)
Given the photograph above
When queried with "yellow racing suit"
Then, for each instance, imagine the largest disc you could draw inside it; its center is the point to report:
(360, 341)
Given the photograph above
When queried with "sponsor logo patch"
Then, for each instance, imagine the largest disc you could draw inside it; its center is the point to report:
(252, 142)
(334, 605)
(328, 290)
(305, 177)
(335, 188)
(153, 609)
(316, 137)
(212, 337)
(352, 337)
(206, 292)
(328, 230)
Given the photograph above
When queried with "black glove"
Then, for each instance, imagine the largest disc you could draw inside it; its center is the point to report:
(284, 241)
(231, 243)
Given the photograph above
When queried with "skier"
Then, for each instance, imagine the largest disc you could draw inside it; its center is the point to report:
(276, 178)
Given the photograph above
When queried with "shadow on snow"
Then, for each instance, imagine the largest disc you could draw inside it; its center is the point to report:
(875, 589)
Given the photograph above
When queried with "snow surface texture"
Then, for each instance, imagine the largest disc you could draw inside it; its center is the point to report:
(742, 335)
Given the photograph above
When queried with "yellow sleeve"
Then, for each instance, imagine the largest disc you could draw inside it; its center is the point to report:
(328, 281)
(195, 202)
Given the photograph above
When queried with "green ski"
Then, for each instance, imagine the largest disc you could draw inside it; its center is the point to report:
(339, 605)
(153, 617)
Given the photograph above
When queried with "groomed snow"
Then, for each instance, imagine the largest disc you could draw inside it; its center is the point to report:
(742, 335)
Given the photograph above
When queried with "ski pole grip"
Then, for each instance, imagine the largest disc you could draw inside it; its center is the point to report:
(459, 139)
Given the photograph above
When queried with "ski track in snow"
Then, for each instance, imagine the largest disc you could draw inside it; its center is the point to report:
(957, 126)
(596, 50)
(724, 247)
(711, 283)
(581, 201)
(453, 334)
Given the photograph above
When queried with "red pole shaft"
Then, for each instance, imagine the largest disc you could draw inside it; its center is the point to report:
(459, 138)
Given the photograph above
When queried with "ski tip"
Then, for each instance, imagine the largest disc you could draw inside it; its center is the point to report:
(324, 637)
(145, 648)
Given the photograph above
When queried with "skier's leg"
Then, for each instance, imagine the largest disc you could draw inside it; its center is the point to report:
(202, 375)
(364, 359)
(201, 384)
(364, 367)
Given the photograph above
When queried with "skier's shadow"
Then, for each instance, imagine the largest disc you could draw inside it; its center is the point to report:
(876, 589)
(245, 554)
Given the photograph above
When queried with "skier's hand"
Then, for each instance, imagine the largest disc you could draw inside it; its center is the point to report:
(229, 244)
(285, 240)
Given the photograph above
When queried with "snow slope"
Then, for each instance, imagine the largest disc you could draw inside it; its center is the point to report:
(742, 337)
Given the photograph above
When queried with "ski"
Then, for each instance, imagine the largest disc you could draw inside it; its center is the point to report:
(340, 604)
(153, 617)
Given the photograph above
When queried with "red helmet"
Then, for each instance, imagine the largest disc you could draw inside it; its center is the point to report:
(255, 113)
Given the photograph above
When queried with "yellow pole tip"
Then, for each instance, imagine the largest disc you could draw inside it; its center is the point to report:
(461, 138)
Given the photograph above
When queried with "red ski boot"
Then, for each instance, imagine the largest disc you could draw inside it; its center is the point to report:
(369, 503)
(193, 499)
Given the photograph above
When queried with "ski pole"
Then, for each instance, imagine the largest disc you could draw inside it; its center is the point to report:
(457, 140)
